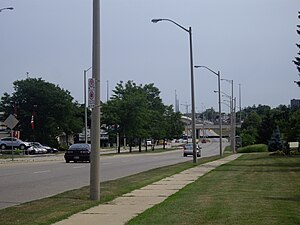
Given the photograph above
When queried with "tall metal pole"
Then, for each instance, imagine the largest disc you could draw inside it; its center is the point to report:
(7, 8)
(220, 110)
(234, 123)
(85, 106)
(220, 114)
(193, 100)
(95, 126)
(240, 102)
(192, 83)
(232, 118)
(107, 91)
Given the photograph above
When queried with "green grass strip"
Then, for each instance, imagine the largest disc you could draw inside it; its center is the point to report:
(254, 189)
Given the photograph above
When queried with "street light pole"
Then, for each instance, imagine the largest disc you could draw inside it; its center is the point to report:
(85, 107)
(232, 118)
(220, 110)
(7, 8)
(240, 102)
(192, 83)
(95, 125)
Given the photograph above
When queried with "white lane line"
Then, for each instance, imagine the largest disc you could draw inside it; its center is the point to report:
(44, 171)
(78, 167)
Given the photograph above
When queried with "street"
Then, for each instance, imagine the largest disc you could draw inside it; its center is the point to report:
(22, 182)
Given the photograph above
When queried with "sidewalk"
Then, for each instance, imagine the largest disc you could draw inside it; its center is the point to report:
(126, 207)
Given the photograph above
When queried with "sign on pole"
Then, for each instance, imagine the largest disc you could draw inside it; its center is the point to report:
(91, 95)
(11, 121)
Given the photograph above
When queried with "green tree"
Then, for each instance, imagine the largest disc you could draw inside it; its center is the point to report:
(275, 143)
(127, 109)
(293, 128)
(49, 107)
(137, 113)
(250, 128)
(297, 58)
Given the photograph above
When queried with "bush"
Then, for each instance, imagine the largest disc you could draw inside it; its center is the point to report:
(253, 148)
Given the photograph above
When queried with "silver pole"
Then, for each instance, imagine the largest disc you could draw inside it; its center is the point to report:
(193, 99)
(95, 125)
(232, 120)
(240, 102)
(85, 107)
(220, 113)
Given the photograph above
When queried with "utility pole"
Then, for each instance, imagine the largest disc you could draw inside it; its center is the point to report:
(186, 107)
(95, 124)
(240, 102)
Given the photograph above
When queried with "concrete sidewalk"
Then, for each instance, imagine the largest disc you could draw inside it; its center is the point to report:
(126, 207)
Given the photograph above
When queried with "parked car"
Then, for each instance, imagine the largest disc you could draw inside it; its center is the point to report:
(36, 148)
(8, 142)
(50, 149)
(188, 150)
(78, 152)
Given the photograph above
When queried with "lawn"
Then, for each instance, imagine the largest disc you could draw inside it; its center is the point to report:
(254, 189)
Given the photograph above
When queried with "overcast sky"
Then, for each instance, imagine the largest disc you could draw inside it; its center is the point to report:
(249, 41)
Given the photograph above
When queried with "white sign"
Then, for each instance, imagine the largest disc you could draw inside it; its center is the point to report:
(11, 121)
(91, 94)
(294, 144)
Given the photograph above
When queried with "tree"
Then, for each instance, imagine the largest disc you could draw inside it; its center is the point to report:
(250, 128)
(297, 58)
(128, 110)
(138, 113)
(275, 143)
(43, 109)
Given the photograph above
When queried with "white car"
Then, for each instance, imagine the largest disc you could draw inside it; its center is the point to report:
(8, 142)
(36, 148)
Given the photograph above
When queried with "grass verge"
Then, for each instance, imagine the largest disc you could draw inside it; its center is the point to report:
(61, 206)
(253, 148)
(254, 189)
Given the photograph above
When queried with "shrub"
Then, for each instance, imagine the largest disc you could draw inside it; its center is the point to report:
(253, 148)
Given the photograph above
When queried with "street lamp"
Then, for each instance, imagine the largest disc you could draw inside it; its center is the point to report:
(220, 111)
(192, 83)
(232, 117)
(85, 107)
(7, 8)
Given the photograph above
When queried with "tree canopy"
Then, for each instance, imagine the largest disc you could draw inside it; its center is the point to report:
(43, 109)
(137, 112)
(297, 58)
(262, 121)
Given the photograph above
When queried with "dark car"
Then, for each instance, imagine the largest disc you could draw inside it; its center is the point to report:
(188, 150)
(78, 152)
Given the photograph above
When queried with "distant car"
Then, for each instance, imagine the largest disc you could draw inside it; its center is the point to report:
(188, 150)
(36, 148)
(78, 152)
(50, 149)
(203, 141)
(8, 142)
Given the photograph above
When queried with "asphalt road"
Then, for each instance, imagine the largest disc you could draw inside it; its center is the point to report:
(26, 181)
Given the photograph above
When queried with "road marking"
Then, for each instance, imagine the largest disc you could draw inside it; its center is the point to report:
(78, 167)
(44, 171)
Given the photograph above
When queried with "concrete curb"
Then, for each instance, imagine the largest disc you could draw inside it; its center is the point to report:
(126, 207)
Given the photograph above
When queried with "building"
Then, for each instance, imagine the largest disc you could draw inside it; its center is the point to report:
(295, 103)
